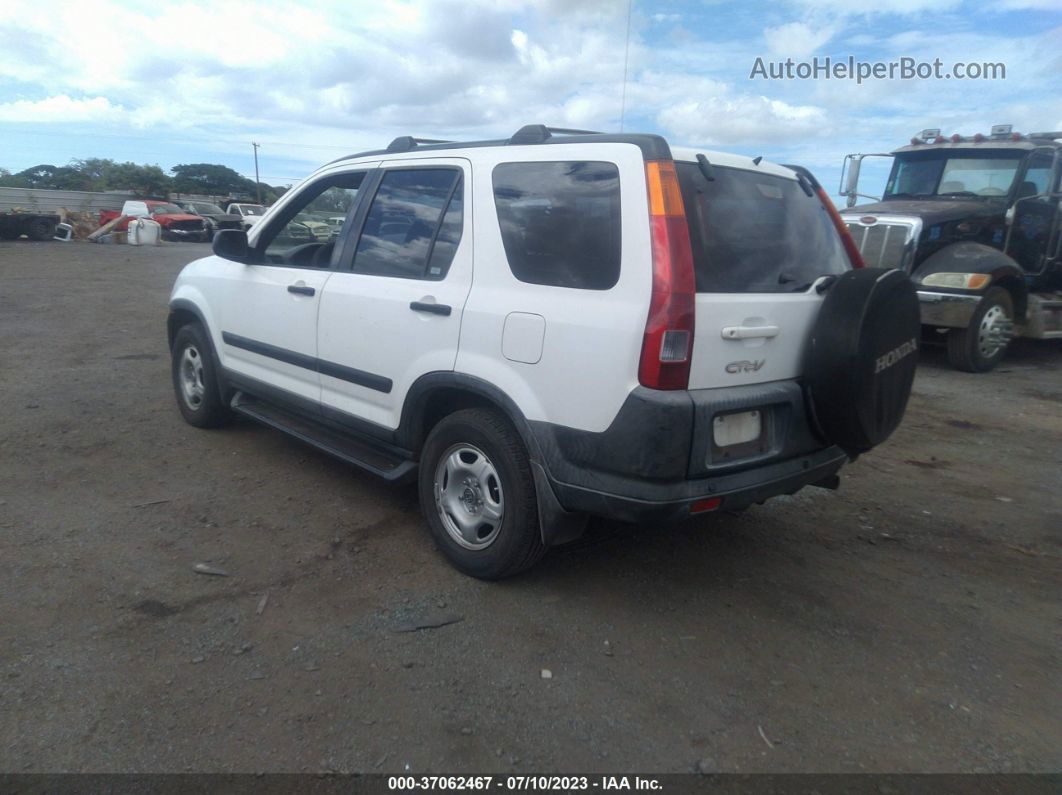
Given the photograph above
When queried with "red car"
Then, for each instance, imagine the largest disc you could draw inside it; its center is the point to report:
(176, 223)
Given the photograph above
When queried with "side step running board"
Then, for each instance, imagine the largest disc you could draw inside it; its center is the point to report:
(388, 464)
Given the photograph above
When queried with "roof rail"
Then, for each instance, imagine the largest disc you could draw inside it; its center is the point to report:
(539, 133)
(405, 143)
(1051, 135)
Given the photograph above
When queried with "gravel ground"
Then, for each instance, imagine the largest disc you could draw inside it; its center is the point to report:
(908, 622)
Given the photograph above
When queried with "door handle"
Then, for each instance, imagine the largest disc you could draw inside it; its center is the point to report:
(748, 332)
(431, 308)
(300, 289)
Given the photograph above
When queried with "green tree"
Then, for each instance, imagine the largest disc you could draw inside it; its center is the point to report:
(210, 179)
(49, 177)
(105, 174)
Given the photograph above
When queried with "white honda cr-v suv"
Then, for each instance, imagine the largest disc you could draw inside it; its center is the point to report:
(551, 326)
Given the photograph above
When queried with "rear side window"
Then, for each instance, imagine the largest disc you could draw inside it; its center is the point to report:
(414, 212)
(756, 233)
(560, 222)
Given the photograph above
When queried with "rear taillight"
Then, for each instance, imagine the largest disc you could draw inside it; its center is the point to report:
(667, 346)
(842, 229)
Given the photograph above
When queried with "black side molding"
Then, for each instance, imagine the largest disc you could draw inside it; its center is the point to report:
(378, 383)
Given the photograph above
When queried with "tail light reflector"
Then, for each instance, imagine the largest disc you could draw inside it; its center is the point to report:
(667, 346)
(706, 504)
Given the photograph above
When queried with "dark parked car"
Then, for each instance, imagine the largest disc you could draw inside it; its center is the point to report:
(213, 216)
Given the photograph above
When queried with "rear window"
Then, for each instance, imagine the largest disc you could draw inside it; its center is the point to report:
(560, 222)
(756, 233)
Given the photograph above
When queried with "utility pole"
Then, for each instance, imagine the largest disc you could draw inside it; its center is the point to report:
(257, 182)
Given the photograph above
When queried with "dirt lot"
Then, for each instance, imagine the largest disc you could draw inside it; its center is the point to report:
(908, 622)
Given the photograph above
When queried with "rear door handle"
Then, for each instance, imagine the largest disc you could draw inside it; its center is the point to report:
(748, 332)
(431, 308)
(300, 289)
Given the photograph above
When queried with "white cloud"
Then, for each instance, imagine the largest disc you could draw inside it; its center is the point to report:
(795, 39)
(60, 108)
(834, 8)
(740, 120)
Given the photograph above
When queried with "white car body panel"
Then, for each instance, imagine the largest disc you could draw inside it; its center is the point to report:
(366, 323)
(593, 338)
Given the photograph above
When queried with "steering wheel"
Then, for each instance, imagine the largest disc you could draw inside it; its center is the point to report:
(323, 255)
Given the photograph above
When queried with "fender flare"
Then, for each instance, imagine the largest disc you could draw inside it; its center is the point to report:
(557, 525)
(970, 257)
(184, 305)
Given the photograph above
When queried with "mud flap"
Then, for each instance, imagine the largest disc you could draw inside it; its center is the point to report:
(557, 525)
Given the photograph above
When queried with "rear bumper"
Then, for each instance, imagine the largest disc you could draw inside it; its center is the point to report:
(947, 310)
(658, 456)
(735, 491)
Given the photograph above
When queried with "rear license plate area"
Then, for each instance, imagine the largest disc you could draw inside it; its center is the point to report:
(738, 435)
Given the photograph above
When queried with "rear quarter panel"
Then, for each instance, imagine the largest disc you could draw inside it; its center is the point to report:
(592, 338)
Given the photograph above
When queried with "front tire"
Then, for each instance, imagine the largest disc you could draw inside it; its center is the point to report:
(195, 379)
(981, 346)
(477, 494)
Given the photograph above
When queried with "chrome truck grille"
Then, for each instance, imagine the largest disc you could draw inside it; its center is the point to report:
(885, 242)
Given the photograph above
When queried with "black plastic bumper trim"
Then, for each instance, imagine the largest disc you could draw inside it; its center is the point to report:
(738, 490)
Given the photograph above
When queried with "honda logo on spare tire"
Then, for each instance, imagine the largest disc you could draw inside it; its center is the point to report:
(893, 356)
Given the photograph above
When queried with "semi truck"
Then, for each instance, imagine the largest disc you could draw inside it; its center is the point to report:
(977, 223)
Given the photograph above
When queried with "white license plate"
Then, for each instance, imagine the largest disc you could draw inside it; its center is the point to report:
(739, 428)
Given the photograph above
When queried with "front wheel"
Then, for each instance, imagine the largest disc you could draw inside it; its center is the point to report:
(981, 345)
(477, 494)
(195, 379)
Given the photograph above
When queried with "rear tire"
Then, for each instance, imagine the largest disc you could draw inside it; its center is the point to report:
(980, 346)
(477, 494)
(40, 229)
(195, 379)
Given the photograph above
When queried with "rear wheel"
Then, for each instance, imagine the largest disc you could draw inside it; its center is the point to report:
(478, 495)
(980, 346)
(195, 380)
(40, 229)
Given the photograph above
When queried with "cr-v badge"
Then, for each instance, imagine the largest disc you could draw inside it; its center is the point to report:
(745, 366)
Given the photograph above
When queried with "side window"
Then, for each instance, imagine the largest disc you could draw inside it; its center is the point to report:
(1036, 176)
(442, 252)
(560, 222)
(414, 224)
(316, 216)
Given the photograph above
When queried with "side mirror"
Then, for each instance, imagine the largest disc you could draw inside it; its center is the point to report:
(231, 244)
(851, 187)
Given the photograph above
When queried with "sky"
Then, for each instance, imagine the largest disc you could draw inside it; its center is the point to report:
(186, 82)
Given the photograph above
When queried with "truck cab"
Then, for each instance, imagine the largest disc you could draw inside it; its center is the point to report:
(977, 223)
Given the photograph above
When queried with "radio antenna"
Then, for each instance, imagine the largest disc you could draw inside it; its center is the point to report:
(626, 61)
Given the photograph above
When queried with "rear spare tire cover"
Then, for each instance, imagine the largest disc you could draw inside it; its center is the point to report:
(862, 357)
